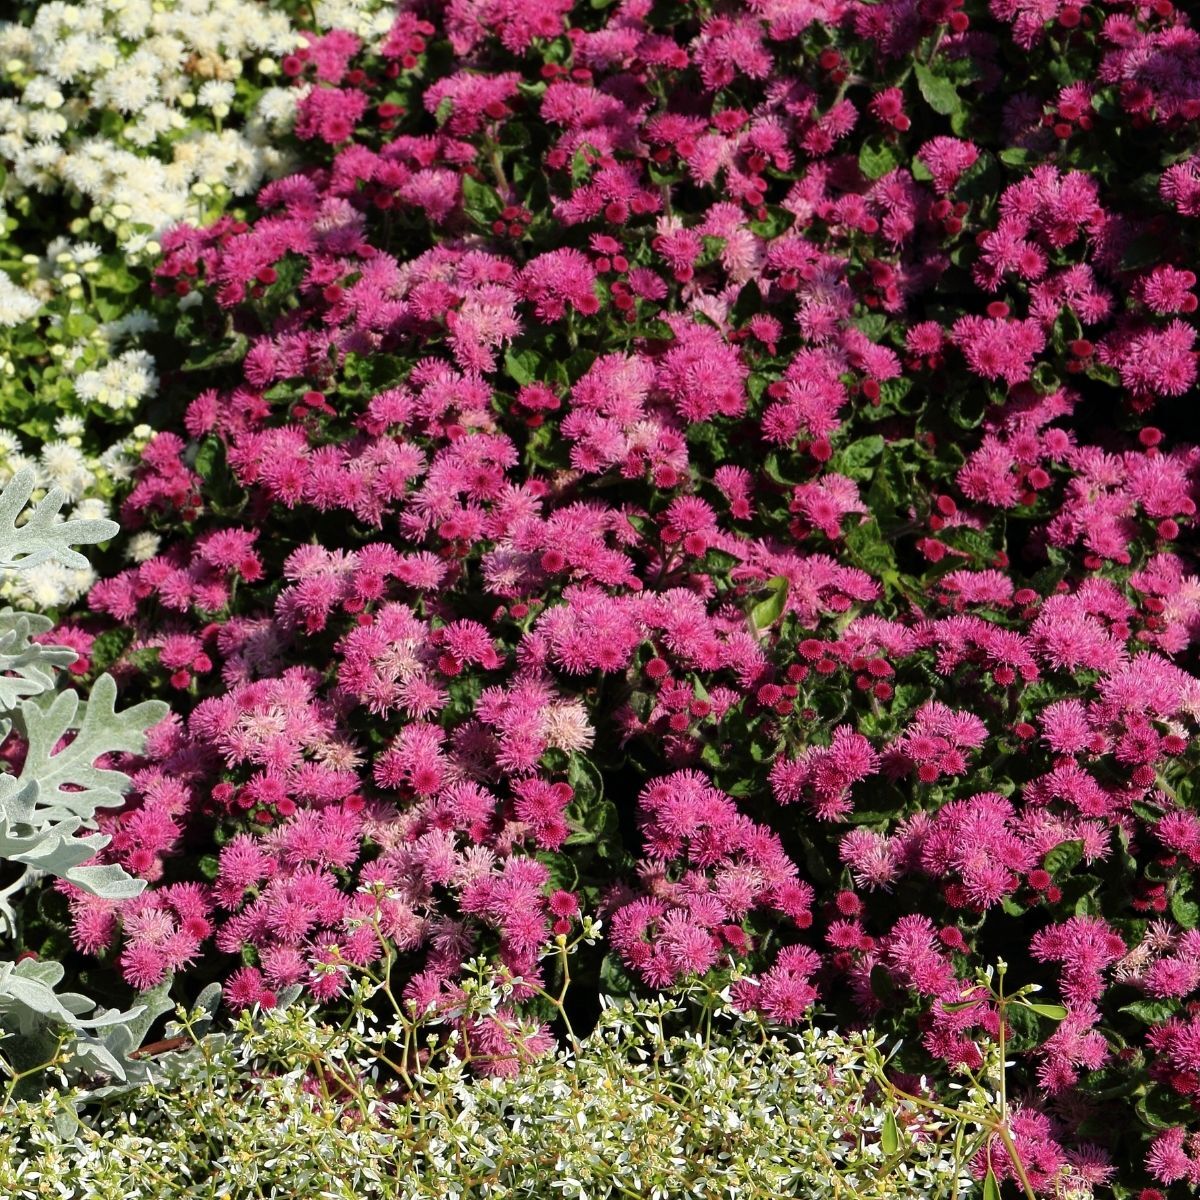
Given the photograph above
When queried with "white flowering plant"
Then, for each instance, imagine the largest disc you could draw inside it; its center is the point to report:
(679, 1094)
(143, 112)
(652, 1103)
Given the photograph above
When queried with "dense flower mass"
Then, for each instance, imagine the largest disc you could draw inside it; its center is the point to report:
(726, 468)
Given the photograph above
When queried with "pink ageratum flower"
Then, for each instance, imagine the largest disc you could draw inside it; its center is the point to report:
(823, 776)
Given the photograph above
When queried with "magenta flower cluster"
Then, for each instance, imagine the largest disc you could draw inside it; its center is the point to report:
(727, 468)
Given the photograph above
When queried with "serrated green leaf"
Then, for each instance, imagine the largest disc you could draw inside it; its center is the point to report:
(876, 159)
(854, 460)
(938, 92)
(1151, 1012)
(1185, 910)
(208, 455)
(480, 201)
(1064, 856)
(868, 550)
(522, 366)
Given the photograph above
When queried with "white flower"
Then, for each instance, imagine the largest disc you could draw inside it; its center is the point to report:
(277, 105)
(65, 467)
(45, 125)
(69, 425)
(216, 94)
(121, 383)
(130, 325)
(16, 304)
(91, 509)
(142, 546)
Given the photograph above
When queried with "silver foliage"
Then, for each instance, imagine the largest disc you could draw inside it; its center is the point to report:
(48, 808)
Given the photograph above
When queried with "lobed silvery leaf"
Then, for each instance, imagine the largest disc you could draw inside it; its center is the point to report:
(42, 537)
(54, 796)
(50, 768)
(27, 993)
(26, 666)
(100, 1044)
(40, 818)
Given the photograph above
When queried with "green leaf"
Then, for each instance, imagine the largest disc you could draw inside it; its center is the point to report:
(522, 366)
(968, 410)
(890, 1138)
(939, 93)
(774, 471)
(883, 987)
(1014, 156)
(876, 158)
(1055, 1012)
(109, 646)
(978, 545)
(1151, 1012)
(855, 459)
(748, 303)
(1186, 911)
(480, 201)
(1159, 1109)
(1064, 856)
(766, 612)
(868, 550)
(208, 455)
(991, 1186)
(581, 165)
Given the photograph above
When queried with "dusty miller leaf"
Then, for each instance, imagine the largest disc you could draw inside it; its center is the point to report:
(55, 795)
(41, 537)
(26, 667)
(100, 729)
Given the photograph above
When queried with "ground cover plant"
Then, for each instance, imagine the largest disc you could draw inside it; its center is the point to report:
(724, 470)
(287, 1102)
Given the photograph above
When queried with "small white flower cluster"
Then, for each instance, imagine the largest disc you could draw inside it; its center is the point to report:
(86, 481)
(70, 364)
(369, 19)
(16, 304)
(288, 1106)
(122, 101)
(122, 383)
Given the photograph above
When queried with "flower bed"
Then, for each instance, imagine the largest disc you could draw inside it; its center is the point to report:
(720, 469)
